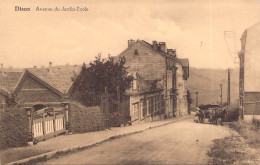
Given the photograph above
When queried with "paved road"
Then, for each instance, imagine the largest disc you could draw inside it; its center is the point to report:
(183, 142)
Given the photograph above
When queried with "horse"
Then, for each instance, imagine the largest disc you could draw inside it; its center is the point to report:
(217, 116)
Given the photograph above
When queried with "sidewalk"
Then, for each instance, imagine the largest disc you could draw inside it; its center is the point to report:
(66, 143)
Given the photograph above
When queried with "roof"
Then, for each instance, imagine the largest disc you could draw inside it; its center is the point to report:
(60, 77)
(184, 62)
(149, 46)
(9, 80)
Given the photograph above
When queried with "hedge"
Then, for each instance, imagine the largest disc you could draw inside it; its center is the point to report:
(85, 119)
(14, 128)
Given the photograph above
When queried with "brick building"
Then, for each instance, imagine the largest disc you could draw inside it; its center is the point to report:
(249, 76)
(45, 86)
(159, 85)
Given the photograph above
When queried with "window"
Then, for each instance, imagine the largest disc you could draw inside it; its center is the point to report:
(159, 103)
(154, 104)
(135, 111)
(144, 108)
(134, 84)
(148, 106)
(141, 108)
(136, 52)
(162, 104)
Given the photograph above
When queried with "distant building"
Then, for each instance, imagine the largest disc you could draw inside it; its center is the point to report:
(8, 82)
(249, 77)
(159, 86)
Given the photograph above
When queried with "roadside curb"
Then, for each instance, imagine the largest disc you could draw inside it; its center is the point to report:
(64, 151)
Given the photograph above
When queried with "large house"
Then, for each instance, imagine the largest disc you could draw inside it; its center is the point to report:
(249, 76)
(159, 87)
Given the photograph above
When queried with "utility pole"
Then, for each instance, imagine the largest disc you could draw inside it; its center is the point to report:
(221, 94)
(228, 89)
(197, 99)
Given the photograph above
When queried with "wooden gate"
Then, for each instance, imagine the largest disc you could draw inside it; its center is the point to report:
(47, 123)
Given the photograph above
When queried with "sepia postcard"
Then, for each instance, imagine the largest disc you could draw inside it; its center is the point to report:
(130, 82)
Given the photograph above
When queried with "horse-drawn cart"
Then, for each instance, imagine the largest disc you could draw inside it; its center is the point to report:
(212, 114)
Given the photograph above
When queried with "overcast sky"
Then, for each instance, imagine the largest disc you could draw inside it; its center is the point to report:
(194, 28)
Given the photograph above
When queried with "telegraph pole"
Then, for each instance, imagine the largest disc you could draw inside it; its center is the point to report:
(221, 94)
(228, 89)
(197, 99)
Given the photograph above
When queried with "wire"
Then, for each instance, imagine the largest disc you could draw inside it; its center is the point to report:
(230, 34)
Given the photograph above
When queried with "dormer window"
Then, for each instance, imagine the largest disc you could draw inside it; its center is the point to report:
(136, 52)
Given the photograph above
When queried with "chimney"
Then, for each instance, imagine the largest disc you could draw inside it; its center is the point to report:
(162, 47)
(2, 69)
(131, 42)
(171, 52)
(50, 67)
(155, 45)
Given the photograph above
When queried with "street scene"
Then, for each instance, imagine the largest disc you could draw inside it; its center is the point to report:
(118, 82)
(187, 143)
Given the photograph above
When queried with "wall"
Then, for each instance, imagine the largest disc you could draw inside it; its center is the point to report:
(252, 58)
(32, 91)
(148, 63)
(251, 103)
(153, 110)
(181, 85)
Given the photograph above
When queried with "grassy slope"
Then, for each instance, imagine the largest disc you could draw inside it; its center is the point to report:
(242, 147)
(206, 82)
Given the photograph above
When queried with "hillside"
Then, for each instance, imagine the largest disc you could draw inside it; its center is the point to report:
(207, 83)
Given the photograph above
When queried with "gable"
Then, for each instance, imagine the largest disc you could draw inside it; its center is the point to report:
(33, 90)
(60, 77)
(147, 62)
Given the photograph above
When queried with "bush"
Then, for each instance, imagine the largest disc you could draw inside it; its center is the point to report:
(232, 113)
(249, 130)
(85, 119)
(14, 128)
(255, 124)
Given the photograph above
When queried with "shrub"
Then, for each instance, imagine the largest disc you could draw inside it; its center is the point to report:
(255, 124)
(14, 128)
(248, 130)
(85, 119)
(233, 112)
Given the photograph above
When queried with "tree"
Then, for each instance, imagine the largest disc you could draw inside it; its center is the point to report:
(11, 100)
(189, 99)
(107, 73)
